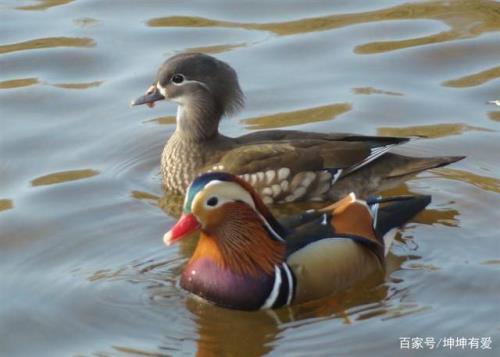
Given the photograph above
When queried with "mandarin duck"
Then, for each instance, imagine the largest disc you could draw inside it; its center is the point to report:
(245, 259)
(282, 165)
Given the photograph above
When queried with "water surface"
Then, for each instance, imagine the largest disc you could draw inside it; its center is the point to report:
(83, 271)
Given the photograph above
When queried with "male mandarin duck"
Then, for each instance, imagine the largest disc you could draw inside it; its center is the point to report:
(282, 165)
(245, 259)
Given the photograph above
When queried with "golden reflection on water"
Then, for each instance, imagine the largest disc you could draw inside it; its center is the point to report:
(420, 266)
(405, 310)
(483, 182)
(78, 85)
(475, 79)
(141, 195)
(447, 217)
(166, 120)
(495, 116)
(6, 204)
(431, 131)
(17, 83)
(371, 90)
(129, 351)
(310, 115)
(190, 21)
(491, 262)
(63, 176)
(85, 22)
(48, 42)
(26, 82)
(148, 198)
(482, 14)
(44, 5)
(215, 48)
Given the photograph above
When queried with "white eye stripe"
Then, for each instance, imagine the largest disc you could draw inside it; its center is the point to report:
(185, 81)
(231, 192)
(179, 99)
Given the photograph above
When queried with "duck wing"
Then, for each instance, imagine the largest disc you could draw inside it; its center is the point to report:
(296, 169)
(367, 222)
(332, 249)
(278, 135)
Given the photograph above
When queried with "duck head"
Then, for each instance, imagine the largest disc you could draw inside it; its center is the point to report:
(203, 87)
(238, 232)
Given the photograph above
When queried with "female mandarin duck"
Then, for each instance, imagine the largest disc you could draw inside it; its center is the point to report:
(247, 260)
(282, 165)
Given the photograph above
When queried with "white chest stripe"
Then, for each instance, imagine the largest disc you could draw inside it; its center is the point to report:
(374, 212)
(275, 291)
(290, 283)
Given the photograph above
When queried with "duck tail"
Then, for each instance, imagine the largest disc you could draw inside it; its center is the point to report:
(410, 166)
(390, 213)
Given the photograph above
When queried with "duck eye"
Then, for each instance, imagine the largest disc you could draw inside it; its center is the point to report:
(212, 201)
(177, 78)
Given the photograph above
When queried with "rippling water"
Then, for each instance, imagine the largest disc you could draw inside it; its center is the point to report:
(83, 271)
